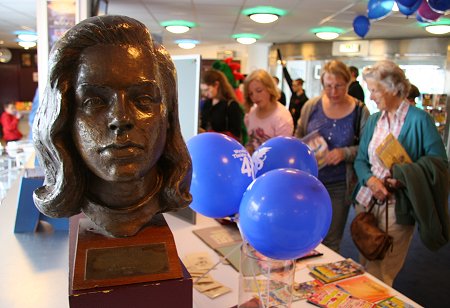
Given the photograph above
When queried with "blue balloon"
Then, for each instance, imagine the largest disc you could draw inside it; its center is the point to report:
(221, 171)
(439, 6)
(408, 3)
(284, 152)
(361, 25)
(378, 9)
(409, 10)
(285, 213)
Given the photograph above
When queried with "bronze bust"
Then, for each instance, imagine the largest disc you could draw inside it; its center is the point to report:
(107, 131)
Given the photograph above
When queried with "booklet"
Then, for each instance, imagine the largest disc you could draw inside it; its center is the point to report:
(318, 145)
(334, 271)
(391, 152)
(333, 297)
(365, 288)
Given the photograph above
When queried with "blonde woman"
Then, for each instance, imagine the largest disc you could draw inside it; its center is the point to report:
(267, 117)
(339, 119)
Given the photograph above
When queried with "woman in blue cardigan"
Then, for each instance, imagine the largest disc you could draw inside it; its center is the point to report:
(416, 132)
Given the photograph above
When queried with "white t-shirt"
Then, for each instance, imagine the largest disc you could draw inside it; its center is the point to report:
(279, 123)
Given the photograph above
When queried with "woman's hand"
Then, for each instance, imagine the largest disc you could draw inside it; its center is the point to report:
(377, 187)
(335, 156)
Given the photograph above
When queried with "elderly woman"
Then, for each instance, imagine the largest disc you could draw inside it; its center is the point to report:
(337, 119)
(267, 117)
(107, 132)
(415, 131)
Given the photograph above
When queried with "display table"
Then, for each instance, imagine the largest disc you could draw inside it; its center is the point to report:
(34, 266)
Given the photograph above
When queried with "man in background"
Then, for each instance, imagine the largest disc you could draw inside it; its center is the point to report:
(298, 99)
(355, 88)
(282, 98)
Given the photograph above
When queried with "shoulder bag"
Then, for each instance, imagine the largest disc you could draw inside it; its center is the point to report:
(372, 242)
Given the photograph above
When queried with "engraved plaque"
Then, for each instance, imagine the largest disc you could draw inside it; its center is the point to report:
(116, 262)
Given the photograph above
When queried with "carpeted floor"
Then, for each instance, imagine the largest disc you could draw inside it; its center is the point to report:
(425, 277)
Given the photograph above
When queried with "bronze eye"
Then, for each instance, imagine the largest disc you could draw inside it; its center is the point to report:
(93, 103)
(145, 102)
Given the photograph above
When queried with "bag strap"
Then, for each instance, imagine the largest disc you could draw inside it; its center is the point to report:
(357, 121)
(372, 204)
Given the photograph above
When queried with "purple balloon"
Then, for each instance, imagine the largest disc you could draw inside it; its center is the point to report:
(439, 6)
(427, 13)
(409, 10)
(361, 25)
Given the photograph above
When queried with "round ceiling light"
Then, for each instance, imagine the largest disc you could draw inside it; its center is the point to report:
(439, 27)
(246, 38)
(187, 44)
(178, 26)
(27, 45)
(327, 33)
(264, 14)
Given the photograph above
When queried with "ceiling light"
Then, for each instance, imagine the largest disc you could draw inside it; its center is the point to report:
(442, 26)
(327, 33)
(246, 38)
(187, 44)
(27, 37)
(438, 29)
(178, 26)
(264, 14)
(27, 45)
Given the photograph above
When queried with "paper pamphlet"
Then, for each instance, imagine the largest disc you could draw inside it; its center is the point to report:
(318, 145)
(391, 152)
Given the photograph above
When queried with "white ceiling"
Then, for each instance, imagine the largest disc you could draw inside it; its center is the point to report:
(217, 20)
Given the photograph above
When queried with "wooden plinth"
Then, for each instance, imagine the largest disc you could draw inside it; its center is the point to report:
(139, 271)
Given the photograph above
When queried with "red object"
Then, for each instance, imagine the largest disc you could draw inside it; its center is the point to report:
(10, 127)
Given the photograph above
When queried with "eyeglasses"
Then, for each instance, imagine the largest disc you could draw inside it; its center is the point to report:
(337, 87)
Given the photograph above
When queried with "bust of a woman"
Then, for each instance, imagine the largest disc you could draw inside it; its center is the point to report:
(107, 132)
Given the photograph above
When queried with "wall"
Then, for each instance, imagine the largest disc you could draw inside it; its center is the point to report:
(16, 76)
(251, 56)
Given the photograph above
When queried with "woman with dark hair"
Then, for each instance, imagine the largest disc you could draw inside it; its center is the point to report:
(107, 131)
(221, 112)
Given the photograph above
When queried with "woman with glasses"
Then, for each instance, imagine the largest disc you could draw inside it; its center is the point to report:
(337, 120)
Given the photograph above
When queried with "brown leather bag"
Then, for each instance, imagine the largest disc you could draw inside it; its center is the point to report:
(371, 241)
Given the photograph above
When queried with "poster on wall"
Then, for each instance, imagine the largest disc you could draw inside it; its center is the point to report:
(60, 18)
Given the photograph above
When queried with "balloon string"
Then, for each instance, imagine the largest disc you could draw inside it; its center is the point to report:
(222, 259)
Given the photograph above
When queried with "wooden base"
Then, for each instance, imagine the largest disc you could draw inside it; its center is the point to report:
(166, 293)
(97, 261)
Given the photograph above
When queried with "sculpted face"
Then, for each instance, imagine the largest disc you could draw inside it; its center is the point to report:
(120, 120)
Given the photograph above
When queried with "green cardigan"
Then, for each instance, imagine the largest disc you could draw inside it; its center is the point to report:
(420, 139)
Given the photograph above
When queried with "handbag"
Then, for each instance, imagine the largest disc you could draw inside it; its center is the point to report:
(372, 242)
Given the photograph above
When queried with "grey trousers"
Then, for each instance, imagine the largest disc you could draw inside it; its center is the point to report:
(339, 217)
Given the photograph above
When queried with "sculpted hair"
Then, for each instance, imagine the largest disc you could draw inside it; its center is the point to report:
(390, 75)
(336, 68)
(267, 81)
(225, 91)
(64, 188)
